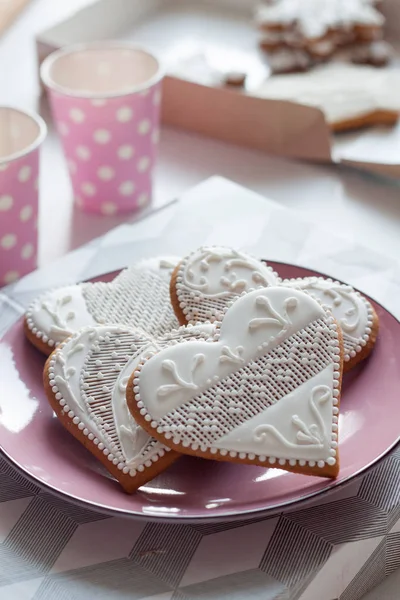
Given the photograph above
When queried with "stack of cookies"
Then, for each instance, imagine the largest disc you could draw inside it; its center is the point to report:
(297, 34)
(212, 355)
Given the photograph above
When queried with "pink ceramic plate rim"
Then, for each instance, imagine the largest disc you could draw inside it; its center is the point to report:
(301, 494)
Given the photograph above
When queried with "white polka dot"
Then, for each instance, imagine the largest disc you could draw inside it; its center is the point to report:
(102, 136)
(143, 164)
(24, 174)
(25, 213)
(142, 199)
(144, 126)
(77, 115)
(155, 136)
(108, 208)
(27, 251)
(125, 152)
(11, 276)
(71, 166)
(98, 102)
(88, 189)
(106, 173)
(124, 114)
(157, 97)
(83, 152)
(127, 188)
(4, 167)
(6, 202)
(63, 129)
(8, 241)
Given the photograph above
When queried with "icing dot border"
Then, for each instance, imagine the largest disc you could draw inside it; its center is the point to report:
(164, 264)
(359, 342)
(185, 306)
(247, 457)
(33, 308)
(80, 425)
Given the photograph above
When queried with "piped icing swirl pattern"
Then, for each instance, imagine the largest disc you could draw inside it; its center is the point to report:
(264, 389)
(314, 19)
(352, 311)
(87, 377)
(205, 285)
(138, 296)
(209, 278)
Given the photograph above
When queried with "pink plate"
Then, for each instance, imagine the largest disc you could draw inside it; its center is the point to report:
(194, 489)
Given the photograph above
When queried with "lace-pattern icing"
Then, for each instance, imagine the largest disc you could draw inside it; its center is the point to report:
(139, 299)
(88, 375)
(253, 388)
(353, 312)
(211, 277)
(265, 387)
(139, 295)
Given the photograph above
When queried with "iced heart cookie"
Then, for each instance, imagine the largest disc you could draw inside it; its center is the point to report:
(208, 279)
(193, 301)
(264, 390)
(138, 296)
(85, 380)
(353, 312)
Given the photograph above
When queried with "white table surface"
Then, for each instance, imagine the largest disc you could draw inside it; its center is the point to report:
(361, 207)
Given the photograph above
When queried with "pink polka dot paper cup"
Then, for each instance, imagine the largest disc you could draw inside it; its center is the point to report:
(21, 135)
(105, 99)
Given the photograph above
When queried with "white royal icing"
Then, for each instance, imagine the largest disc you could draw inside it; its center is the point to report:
(88, 375)
(59, 313)
(274, 345)
(307, 433)
(351, 310)
(212, 276)
(315, 18)
(158, 263)
(138, 296)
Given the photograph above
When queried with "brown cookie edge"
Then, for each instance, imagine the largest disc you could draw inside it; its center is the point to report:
(367, 349)
(128, 483)
(327, 471)
(180, 315)
(42, 346)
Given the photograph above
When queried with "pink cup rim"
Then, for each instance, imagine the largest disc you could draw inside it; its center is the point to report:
(35, 144)
(49, 61)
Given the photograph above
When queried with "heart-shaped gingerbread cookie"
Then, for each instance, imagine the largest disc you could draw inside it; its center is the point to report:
(265, 389)
(138, 296)
(207, 280)
(85, 380)
(353, 312)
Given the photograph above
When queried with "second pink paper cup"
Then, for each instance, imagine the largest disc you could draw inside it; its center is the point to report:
(21, 135)
(105, 99)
